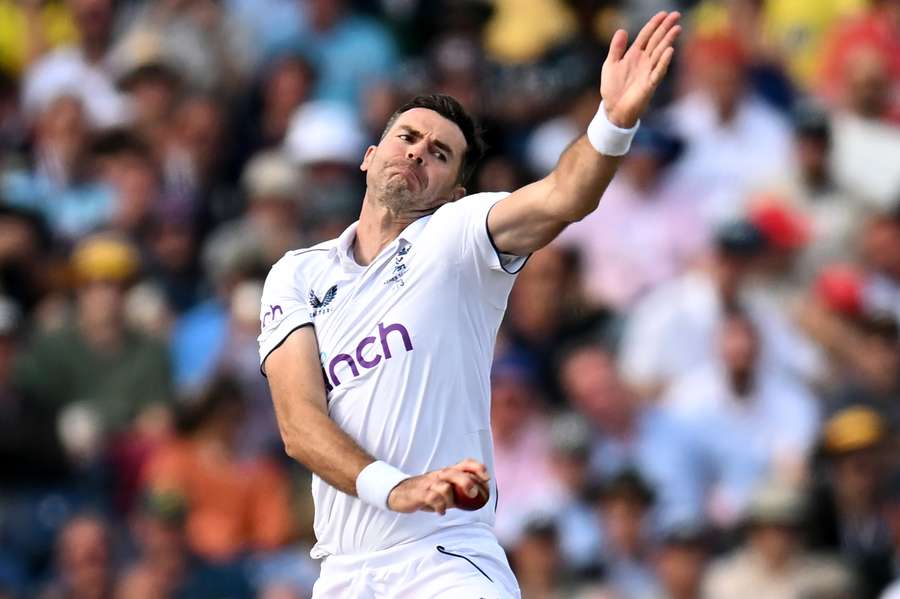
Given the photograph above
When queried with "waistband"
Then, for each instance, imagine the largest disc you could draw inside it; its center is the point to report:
(468, 535)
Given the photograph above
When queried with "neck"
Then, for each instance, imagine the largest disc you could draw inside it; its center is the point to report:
(817, 178)
(377, 228)
(94, 50)
(105, 335)
(684, 593)
(726, 111)
(741, 382)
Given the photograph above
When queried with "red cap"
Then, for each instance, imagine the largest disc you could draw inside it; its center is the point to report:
(783, 227)
(839, 287)
(719, 47)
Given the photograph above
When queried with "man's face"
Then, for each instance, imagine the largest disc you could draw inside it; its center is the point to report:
(680, 568)
(738, 345)
(415, 167)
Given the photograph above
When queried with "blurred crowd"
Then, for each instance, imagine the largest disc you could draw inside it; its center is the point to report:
(696, 392)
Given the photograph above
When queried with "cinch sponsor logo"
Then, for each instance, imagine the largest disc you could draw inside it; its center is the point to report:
(270, 315)
(367, 354)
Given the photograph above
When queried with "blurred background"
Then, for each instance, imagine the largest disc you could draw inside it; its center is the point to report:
(696, 391)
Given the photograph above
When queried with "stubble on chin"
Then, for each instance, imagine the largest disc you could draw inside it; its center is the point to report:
(395, 195)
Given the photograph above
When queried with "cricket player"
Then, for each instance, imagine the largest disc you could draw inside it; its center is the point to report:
(377, 345)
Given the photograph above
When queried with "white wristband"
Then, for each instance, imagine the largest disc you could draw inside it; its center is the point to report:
(607, 138)
(375, 482)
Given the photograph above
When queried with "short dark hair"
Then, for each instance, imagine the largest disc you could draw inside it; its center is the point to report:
(449, 108)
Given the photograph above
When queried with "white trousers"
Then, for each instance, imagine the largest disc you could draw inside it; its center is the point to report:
(463, 563)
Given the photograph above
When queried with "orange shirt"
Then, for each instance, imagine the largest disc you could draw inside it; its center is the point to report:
(232, 506)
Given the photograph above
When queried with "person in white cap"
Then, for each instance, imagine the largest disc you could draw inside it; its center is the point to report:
(378, 344)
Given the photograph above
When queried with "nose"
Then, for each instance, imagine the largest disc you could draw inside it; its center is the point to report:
(414, 154)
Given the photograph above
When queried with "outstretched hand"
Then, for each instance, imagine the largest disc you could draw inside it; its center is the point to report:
(630, 75)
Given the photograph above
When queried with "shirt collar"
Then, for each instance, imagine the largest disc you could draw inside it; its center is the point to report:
(343, 248)
(345, 241)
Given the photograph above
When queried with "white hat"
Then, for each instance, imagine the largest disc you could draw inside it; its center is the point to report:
(270, 174)
(324, 132)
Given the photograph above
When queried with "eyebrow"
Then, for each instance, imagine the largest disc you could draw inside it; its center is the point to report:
(438, 143)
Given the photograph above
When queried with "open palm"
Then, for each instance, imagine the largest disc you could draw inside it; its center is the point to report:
(630, 75)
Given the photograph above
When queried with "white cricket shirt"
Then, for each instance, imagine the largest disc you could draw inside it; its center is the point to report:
(406, 348)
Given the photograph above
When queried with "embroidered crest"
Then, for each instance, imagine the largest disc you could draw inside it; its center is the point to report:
(315, 303)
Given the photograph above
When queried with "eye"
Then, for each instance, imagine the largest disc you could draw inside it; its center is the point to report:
(440, 156)
(404, 136)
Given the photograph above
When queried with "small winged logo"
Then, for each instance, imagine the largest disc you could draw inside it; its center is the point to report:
(317, 303)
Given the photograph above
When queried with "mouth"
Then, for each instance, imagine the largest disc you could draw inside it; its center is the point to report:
(411, 175)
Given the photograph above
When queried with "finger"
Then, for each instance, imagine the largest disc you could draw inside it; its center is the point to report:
(659, 71)
(475, 467)
(643, 37)
(437, 497)
(666, 43)
(462, 479)
(618, 45)
(662, 30)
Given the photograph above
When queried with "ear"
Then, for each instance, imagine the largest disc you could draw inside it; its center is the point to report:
(367, 158)
(458, 192)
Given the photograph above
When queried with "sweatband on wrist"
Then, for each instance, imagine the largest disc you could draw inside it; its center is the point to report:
(375, 482)
(607, 138)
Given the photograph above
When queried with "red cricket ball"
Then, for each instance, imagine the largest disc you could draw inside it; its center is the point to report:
(464, 502)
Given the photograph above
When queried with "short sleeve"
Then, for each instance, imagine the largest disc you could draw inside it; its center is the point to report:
(477, 244)
(283, 308)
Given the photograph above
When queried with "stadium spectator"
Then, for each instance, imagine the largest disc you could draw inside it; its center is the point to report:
(536, 559)
(745, 420)
(83, 70)
(521, 436)
(624, 502)
(547, 312)
(733, 139)
(629, 433)
(192, 161)
(56, 183)
(151, 84)
(576, 520)
(871, 375)
(666, 234)
(166, 567)
(772, 561)
(284, 84)
(325, 140)
(880, 241)
(673, 329)
(809, 185)
(349, 51)
(84, 567)
(846, 508)
(679, 561)
(234, 505)
(874, 32)
(104, 374)
(212, 50)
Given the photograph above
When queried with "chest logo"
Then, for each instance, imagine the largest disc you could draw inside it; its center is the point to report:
(319, 305)
(399, 267)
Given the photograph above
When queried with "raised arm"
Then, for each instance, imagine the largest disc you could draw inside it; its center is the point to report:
(531, 217)
(314, 440)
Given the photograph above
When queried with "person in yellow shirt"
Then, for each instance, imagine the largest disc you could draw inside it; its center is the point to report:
(28, 28)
